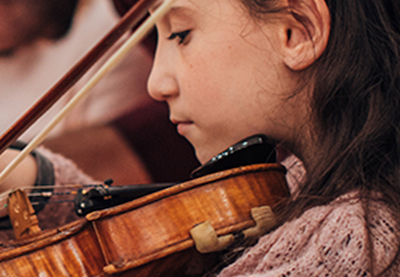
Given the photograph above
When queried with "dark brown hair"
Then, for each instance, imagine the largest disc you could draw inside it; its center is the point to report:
(355, 103)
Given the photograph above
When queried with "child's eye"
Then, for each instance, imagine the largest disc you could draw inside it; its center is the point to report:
(180, 35)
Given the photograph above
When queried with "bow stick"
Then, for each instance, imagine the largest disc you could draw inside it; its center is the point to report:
(135, 38)
(136, 13)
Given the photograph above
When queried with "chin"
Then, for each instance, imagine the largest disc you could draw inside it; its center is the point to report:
(202, 157)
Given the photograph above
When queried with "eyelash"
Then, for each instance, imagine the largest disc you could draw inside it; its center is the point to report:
(180, 35)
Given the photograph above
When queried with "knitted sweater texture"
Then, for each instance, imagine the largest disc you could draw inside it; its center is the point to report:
(344, 238)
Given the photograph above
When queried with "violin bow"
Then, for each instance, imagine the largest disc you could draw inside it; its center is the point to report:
(43, 104)
(70, 78)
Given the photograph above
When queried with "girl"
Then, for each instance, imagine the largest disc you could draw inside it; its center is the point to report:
(321, 79)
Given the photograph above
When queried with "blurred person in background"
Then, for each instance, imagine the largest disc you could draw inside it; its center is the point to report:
(40, 40)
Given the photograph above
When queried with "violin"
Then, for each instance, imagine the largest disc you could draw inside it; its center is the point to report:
(161, 233)
(158, 234)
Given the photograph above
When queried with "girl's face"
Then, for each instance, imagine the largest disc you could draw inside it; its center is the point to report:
(222, 76)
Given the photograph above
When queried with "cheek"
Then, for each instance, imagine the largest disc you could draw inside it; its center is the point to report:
(206, 70)
(202, 80)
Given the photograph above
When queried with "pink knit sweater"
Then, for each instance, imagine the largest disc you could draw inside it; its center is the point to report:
(331, 240)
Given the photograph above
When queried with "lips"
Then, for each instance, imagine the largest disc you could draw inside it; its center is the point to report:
(182, 126)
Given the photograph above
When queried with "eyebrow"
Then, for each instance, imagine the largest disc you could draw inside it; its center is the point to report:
(173, 10)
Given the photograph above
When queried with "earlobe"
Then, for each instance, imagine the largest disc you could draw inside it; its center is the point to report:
(306, 33)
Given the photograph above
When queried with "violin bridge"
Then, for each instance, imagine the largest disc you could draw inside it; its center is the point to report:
(206, 239)
(22, 215)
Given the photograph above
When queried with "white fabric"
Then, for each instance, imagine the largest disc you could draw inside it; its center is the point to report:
(28, 74)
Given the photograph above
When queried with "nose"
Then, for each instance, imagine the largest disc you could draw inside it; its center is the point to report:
(162, 83)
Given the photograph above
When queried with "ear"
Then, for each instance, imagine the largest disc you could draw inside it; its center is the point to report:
(306, 32)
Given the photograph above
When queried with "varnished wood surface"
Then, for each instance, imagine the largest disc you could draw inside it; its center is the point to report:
(70, 251)
(148, 236)
(157, 225)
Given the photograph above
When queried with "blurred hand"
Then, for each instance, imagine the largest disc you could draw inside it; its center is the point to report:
(24, 175)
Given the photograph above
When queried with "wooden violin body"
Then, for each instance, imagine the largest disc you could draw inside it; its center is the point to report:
(150, 235)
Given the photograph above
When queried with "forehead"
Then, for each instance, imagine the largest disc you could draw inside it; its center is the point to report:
(176, 6)
(199, 10)
(181, 6)
(183, 12)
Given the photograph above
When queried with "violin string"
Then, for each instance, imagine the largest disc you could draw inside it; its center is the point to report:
(44, 202)
(66, 186)
(4, 195)
(41, 194)
(52, 202)
(49, 193)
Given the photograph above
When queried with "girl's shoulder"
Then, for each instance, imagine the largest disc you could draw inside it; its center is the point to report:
(333, 239)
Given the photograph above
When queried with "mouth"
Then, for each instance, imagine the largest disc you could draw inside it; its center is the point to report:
(182, 126)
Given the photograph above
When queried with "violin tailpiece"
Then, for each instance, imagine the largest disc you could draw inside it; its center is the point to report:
(206, 239)
(22, 215)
